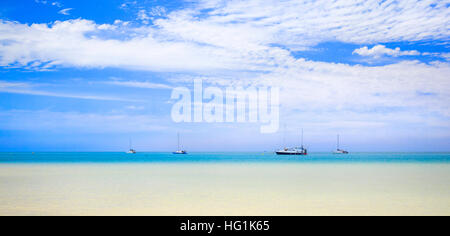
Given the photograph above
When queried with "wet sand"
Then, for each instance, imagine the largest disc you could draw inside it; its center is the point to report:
(225, 189)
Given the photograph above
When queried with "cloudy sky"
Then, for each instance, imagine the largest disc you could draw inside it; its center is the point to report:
(89, 75)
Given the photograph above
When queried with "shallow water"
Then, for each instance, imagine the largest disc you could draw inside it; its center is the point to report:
(121, 157)
(237, 188)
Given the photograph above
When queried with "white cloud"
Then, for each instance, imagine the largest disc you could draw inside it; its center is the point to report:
(28, 89)
(57, 4)
(150, 15)
(65, 11)
(381, 50)
(66, 43)
(133, 107)
(446, 56)
(325, 87)
(138, 84)
(297, 24)
(41, 1)
(250, 41)
(63, 121)
(158, 11)
(127, 4)
(143, 16)
(222, 34)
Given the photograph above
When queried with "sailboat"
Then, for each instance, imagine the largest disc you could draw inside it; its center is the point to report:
(338, 150)
(293, 151)
(179, 150)
(131, 151)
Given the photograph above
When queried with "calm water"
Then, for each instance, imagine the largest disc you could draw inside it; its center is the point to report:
(120, 157)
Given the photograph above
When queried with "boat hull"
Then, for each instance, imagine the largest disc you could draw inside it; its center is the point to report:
(340, 152)
(131, 151)
(179, 153)
(291, 153)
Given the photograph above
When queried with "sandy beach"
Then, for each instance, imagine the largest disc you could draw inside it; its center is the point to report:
(225, 189)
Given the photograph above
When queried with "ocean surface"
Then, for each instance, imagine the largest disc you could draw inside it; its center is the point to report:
(147, 157)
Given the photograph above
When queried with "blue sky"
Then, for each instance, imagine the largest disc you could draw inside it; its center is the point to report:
(89, 75)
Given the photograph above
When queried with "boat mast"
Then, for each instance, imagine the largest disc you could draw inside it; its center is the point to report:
(130, 144)
(302, 138)
(338, 142)
(178, 135)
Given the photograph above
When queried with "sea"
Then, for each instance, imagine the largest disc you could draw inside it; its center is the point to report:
(222, 157)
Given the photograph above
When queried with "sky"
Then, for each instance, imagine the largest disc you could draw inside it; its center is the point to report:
(91, 75)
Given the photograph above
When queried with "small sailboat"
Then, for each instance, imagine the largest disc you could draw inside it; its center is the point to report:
(179, 150)
(338, 150)
(131, 150)
(293, 151)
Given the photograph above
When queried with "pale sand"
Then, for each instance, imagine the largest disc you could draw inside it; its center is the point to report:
(225, 189)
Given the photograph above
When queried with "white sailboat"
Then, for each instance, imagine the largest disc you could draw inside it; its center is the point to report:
(293, 151)
(179, 150)
(338, 150)
(131, 150)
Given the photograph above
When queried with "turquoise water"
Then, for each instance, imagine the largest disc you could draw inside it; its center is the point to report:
(120, 157)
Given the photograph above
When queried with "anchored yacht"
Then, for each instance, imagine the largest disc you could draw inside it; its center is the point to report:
(293, 151)
(338, 150)
(131, 150)
(179, 150)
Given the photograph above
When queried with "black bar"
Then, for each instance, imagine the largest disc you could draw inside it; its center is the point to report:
(247, 225)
